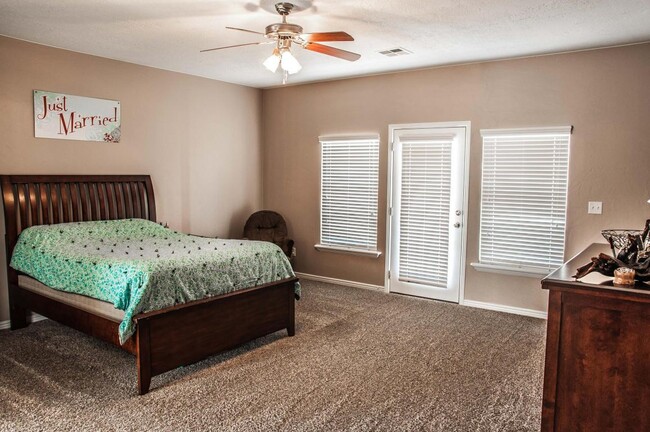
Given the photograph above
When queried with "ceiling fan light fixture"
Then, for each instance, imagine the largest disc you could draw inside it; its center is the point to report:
(289, 63)
(285, 35)
(273, 61)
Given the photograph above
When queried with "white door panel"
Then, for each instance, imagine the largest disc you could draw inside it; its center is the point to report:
(427, 200)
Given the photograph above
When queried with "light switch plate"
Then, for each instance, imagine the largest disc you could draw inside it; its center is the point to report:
(595, 207)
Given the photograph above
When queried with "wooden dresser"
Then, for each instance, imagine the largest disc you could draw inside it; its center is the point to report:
(597, 371)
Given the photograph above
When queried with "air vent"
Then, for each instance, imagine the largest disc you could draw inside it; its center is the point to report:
(395, 52)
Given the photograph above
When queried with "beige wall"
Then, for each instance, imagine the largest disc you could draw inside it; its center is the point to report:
(604, 94)
(198, 138)
(201, 141)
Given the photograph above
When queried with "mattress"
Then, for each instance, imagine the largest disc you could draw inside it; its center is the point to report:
(88, 304)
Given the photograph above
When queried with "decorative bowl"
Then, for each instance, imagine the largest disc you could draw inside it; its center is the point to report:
(619, 238)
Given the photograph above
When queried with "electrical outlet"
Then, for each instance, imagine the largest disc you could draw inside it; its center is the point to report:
(595, 207)
(293, 252)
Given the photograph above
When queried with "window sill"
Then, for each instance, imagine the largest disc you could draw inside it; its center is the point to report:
(534, 272)
(349, 251)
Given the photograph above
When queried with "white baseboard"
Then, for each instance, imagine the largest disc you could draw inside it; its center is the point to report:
(4, 325)
(343, 282)
(471, 303)
(503, 308)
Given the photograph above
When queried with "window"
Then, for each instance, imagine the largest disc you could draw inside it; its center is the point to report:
(523, 199)
(349, 183)
(425, 199)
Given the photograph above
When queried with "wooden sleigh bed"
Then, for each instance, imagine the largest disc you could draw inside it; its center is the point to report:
(165, 339)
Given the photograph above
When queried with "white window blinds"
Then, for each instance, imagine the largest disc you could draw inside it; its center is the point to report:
(424, 210)
(349, 183)
(523, 198)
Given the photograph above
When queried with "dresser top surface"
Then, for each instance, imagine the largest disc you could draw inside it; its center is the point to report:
(564, 275)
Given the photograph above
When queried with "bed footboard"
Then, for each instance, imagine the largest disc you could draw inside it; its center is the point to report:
(191, 332)
(17, 312)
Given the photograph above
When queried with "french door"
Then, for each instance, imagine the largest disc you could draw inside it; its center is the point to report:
(427, 209)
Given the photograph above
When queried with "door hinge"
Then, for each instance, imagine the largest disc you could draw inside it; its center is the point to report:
(388, 274)
(392, 145)
(390, 211)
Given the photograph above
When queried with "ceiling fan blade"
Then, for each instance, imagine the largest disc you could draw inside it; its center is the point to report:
(335, 52)
(240, 45)
(326, 37)
(244, 30)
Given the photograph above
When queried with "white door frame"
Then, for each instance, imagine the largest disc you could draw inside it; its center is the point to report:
(465, 189)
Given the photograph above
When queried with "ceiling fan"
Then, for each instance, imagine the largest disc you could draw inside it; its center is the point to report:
(284, 34)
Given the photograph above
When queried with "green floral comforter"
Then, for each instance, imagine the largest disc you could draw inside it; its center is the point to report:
(140, 266)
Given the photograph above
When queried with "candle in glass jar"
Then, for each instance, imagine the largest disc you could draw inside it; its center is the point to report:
(624, 276)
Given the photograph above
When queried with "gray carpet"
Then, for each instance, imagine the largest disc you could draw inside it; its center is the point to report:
(360, 360)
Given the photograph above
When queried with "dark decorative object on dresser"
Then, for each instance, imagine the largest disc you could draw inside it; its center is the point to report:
(597, 370)
(629, 250)
(165, 339)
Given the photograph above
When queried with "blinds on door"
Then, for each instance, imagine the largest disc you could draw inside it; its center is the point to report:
(524, 197)
(425, 187)
(349, 188)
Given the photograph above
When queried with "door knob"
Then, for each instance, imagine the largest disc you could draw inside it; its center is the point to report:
(457, 225)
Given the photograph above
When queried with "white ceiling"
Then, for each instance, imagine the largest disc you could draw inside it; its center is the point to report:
(169, 34)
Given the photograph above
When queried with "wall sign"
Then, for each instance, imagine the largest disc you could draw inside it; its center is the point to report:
(62, 116)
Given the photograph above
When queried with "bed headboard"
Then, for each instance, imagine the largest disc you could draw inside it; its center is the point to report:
(49, 199)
